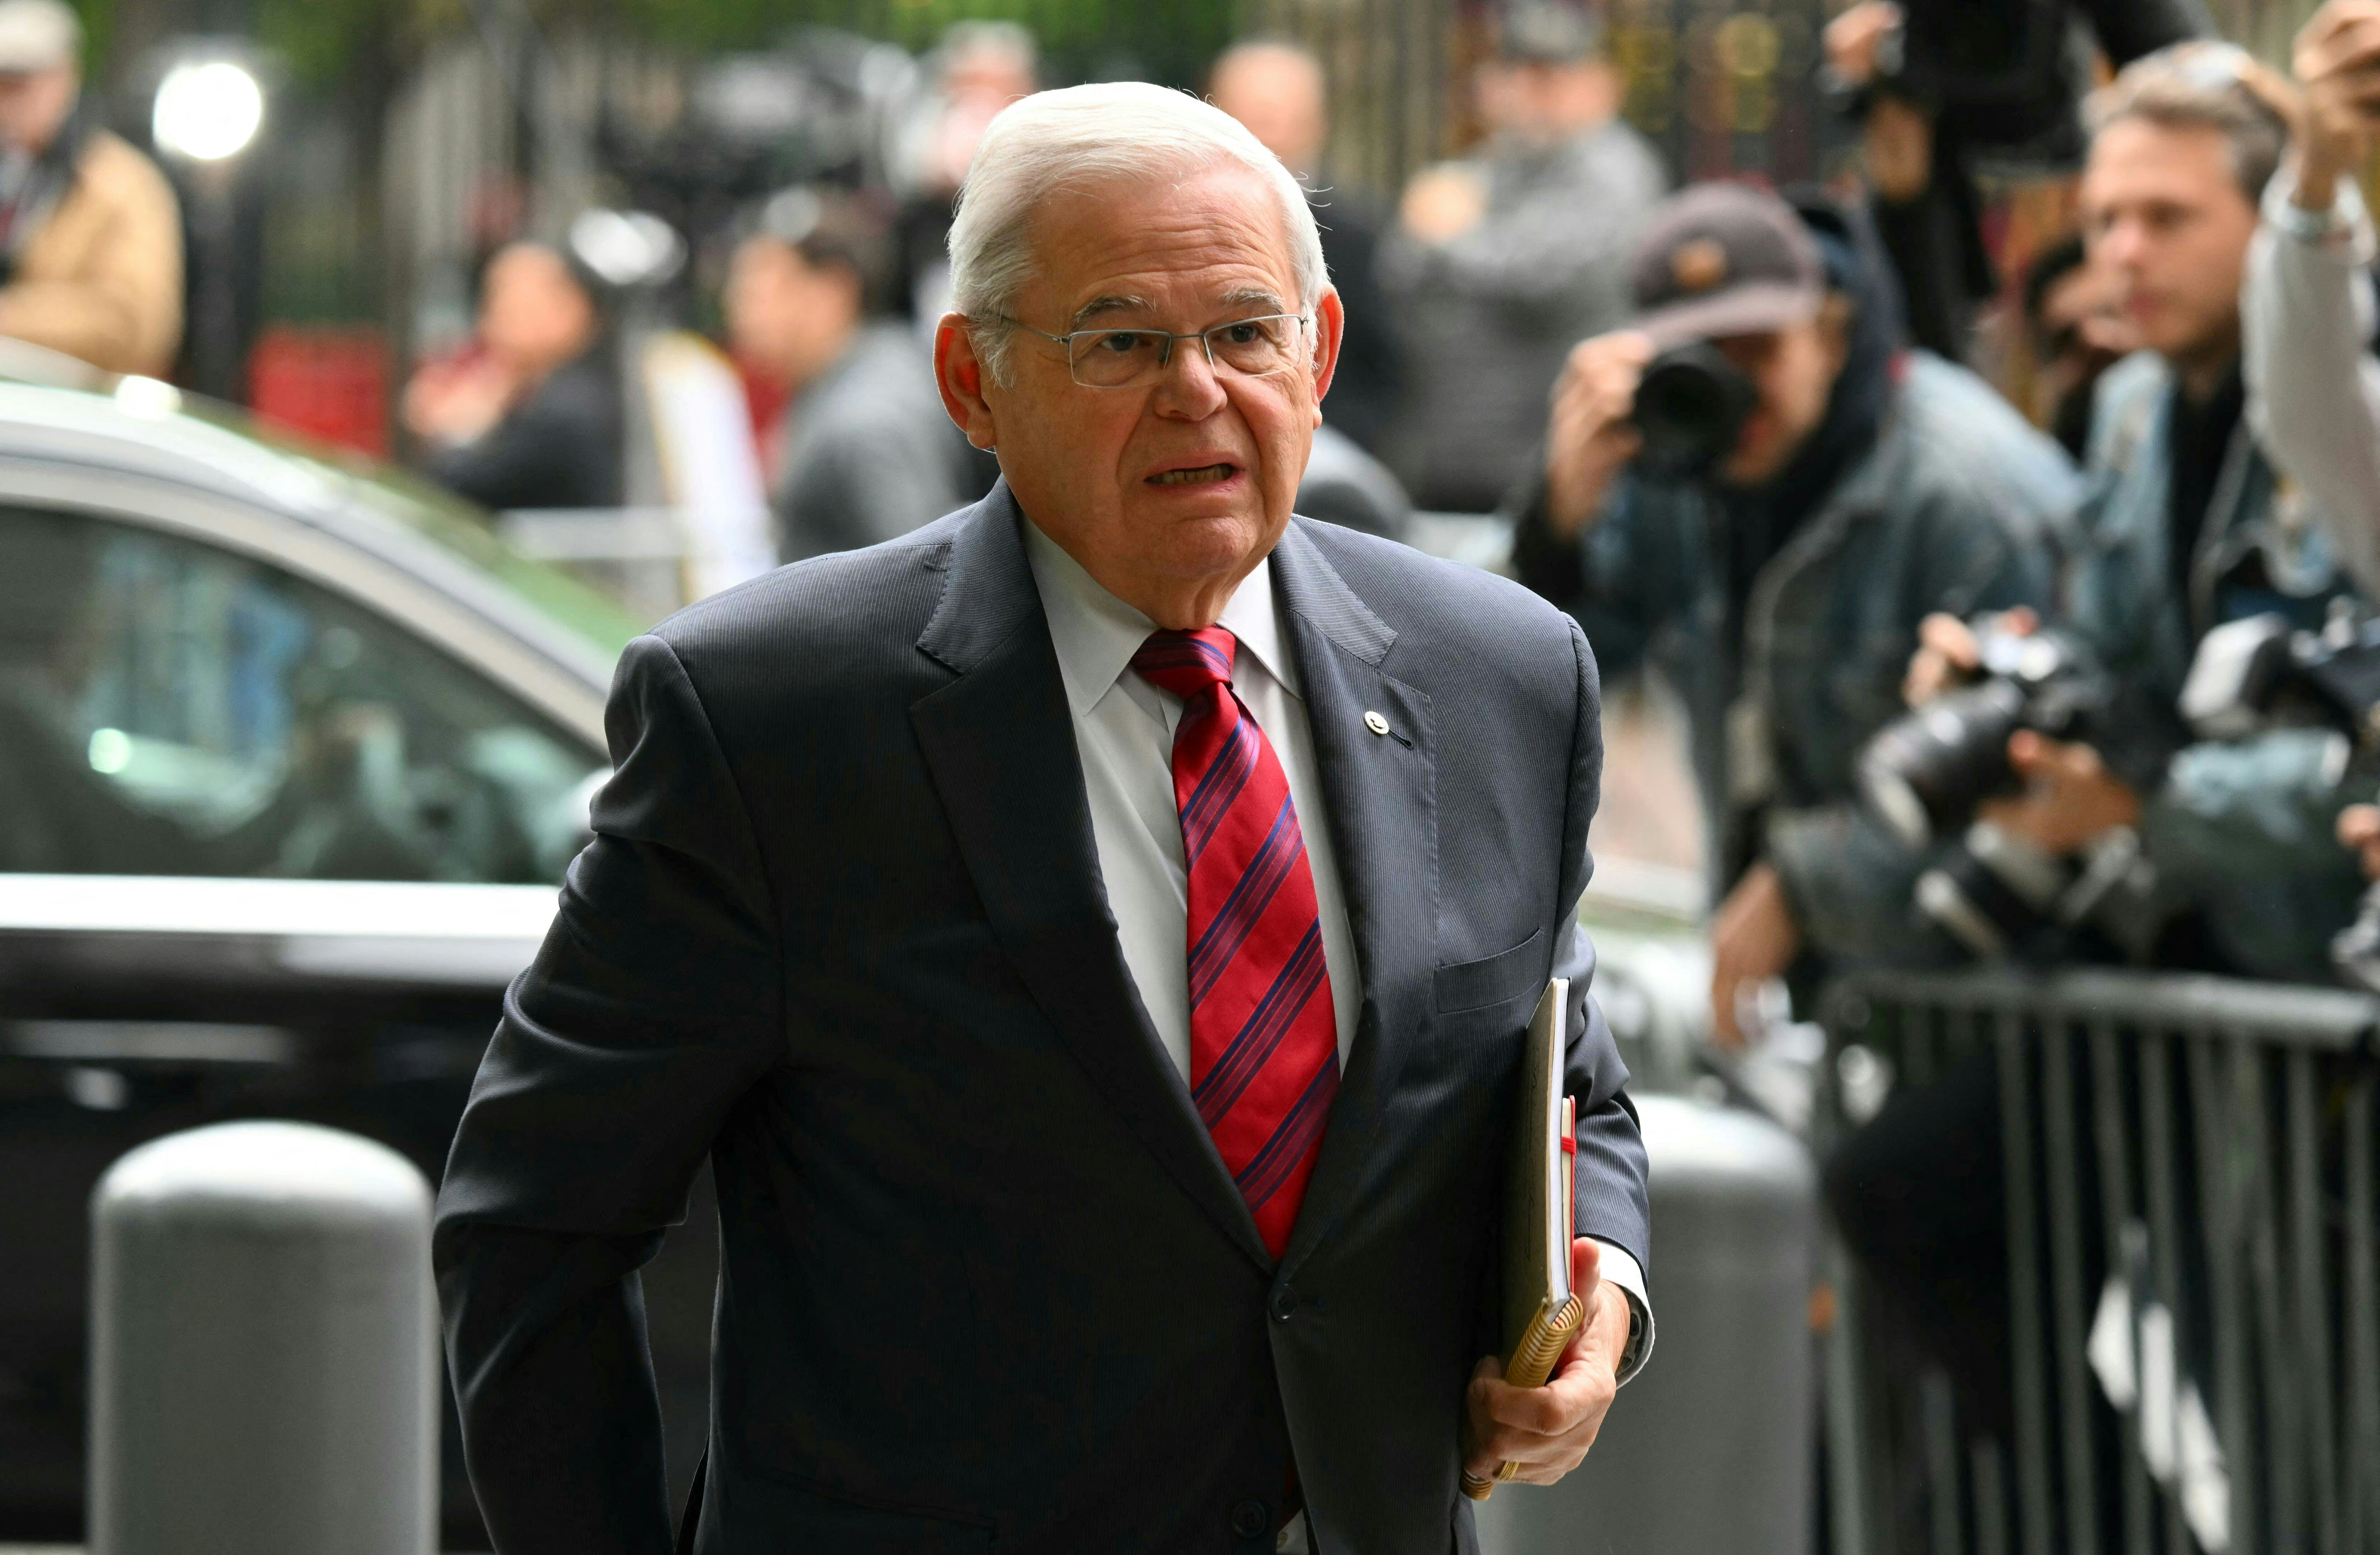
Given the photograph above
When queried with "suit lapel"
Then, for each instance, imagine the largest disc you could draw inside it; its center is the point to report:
(999, 743)
(1381, 791)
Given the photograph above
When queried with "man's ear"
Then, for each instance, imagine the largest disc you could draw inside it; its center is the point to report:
(1329, 328)
(959, 374)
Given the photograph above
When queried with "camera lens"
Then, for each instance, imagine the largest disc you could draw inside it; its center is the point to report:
(1924, 772)
(1691, 403)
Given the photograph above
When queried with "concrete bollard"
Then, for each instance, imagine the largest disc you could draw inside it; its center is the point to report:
(1709, 1452)
(264, 1351)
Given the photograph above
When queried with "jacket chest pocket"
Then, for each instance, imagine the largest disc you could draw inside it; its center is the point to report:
(1492, 980)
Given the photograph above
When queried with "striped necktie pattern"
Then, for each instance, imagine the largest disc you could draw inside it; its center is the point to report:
(1264, 1042)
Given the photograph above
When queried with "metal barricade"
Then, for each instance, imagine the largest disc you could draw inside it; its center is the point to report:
(2210, 1145)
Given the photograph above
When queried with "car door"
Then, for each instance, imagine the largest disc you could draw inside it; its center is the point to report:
(274, 835)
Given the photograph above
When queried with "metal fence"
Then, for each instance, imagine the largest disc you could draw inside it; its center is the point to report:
(2209, 1145)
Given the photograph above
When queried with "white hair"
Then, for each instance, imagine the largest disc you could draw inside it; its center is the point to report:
(1075, 139)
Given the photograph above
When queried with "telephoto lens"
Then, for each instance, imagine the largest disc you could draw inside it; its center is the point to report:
(1691, 403)
(1923, 773)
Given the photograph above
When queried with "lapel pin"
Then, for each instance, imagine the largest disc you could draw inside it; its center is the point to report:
(1375, 724)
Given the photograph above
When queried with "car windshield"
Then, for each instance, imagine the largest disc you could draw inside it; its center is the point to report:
(453, 524)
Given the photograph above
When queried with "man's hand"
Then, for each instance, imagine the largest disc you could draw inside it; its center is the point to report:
(1442, 203)
(1855, 40)
(1589, 438)
(1948, 652)
(1753, 939)
(460, 402)
(1547, 1430)
(2338, 62)
(2069, 799)
(2359, 829)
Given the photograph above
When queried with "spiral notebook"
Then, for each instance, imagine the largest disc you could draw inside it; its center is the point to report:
(1541, 1312)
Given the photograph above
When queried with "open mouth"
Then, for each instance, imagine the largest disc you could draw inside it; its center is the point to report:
(1201, 476)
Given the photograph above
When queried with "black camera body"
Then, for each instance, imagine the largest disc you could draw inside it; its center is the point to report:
(2258, 673)
(1691, 403)
(1924, 774)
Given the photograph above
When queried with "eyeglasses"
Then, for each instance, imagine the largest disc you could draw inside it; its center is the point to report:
(1131, 359)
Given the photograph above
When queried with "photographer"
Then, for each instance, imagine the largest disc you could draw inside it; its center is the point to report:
(1777, 556)
(2187, 527)
(2313, 387)
(1937, 86)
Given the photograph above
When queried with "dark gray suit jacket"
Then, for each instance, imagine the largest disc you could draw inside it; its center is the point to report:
(985, 1282)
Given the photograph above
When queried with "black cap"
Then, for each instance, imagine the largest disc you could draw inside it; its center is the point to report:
(1723, 259)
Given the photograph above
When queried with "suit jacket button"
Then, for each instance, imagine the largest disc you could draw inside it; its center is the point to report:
(1375, 724)
(1248, 1520)
(1284, 1304)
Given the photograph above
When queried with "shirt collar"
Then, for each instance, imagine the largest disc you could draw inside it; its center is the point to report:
(1096, 634)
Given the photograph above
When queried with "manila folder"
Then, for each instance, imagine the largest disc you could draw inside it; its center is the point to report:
(1541, 1312)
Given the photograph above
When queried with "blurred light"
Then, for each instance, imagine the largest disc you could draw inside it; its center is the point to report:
(147, 396)
(628, 248)
(111, 749)
(207, 112)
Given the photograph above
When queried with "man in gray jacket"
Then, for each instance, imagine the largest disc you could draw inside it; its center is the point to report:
(1781, 589)
(865, 452)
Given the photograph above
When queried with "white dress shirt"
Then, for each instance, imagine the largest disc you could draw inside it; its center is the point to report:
(1124, 730)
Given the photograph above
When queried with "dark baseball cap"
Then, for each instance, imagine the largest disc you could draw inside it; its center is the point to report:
(1722, 258)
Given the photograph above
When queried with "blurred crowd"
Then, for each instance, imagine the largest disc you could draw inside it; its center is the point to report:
(1461, 302)
(2091, 677)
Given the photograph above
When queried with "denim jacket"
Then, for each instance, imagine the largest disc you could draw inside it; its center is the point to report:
(1956, 509)
(2242, 828)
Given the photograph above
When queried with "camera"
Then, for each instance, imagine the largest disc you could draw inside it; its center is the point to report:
(2260, 673)
(1924, 774)
(1691, 403)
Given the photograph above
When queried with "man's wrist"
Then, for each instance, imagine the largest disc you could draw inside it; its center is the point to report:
(1621, 1269)
(2317, 211)
(2315, 189)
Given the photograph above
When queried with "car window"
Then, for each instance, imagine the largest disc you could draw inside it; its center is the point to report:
(167, 707)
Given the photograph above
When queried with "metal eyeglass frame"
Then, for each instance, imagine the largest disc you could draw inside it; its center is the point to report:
(1165, 353)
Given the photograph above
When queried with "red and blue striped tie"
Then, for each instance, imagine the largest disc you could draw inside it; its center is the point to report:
(1264, 1043)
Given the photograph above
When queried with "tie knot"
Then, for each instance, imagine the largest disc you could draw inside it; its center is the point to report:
(1187, 663)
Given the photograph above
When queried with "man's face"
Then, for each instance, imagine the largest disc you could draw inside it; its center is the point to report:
(1278, 94)
(788, 318)
(1539, 103)
(1793, 370)
(532, 315)
(33, 103)
(2168, 221)
(1178, 488)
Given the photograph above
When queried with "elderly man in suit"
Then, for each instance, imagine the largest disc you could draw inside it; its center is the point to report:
(1091, 938)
